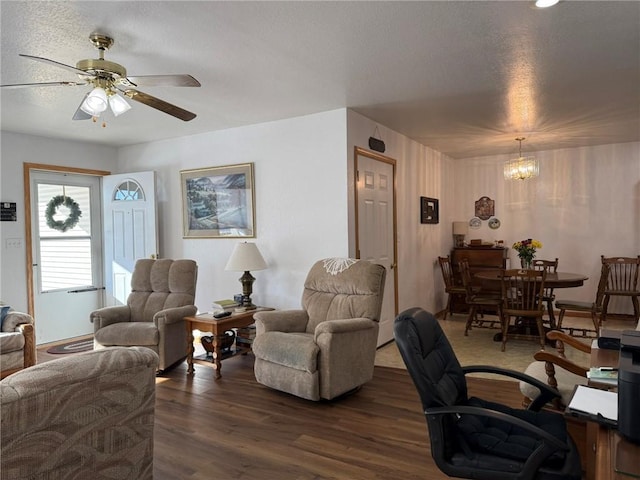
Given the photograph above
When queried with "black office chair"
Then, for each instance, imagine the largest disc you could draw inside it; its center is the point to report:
(474, 438)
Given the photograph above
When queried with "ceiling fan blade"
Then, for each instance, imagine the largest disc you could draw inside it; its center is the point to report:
(57, 64)
(164, 81)
(43, 84)
(158, 104)
(81, 114)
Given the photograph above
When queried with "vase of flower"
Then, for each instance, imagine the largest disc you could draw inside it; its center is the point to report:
(527, 251)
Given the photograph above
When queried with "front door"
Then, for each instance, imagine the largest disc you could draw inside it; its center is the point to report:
(375, 227)
(130, 232)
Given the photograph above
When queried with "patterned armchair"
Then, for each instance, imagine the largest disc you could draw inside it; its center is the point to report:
(162, 294)
(327, 348)
(17, 343)
(88, 415)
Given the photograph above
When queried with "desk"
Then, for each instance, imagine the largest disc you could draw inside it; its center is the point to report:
(207, 323)
(607, 452)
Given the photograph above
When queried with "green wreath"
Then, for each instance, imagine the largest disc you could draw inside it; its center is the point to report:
(74, 213)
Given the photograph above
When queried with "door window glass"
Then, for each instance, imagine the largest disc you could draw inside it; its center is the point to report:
(64, 228)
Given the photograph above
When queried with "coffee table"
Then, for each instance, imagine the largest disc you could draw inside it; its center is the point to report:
(206, 322)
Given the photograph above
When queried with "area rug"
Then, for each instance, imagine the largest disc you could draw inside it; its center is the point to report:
(72, 347)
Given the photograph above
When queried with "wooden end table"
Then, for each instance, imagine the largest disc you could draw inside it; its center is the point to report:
(207, 323)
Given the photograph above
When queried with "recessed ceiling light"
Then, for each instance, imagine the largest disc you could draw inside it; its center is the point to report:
(546, 3)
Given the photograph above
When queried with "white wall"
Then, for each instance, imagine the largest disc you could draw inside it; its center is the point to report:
(420, 171)
(16, 150)
(585, 203)
(301, 201)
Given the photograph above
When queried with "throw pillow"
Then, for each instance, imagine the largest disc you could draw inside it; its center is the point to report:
(3, 313)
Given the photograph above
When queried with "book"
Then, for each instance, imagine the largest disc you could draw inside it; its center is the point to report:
(223, 304)
(603, 375)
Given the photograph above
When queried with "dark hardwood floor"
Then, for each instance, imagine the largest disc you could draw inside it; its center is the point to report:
(235, 428)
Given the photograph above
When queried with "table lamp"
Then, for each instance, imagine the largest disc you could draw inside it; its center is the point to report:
(460, 229)
(245, 257)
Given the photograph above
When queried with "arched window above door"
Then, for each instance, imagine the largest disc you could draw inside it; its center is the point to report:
(128, 190)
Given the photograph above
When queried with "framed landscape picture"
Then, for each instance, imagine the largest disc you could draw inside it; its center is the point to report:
(218, 202)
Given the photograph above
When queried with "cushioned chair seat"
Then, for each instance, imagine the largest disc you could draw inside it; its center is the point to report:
(11, 342)
(566, 381)
(293, 350)
(128, 334)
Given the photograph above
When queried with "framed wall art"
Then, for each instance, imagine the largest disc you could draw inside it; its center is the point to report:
(218, 202)
(429, 210)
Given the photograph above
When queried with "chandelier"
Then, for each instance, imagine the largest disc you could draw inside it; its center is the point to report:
(521, 168)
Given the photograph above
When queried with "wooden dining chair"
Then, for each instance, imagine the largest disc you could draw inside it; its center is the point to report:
(450, 286)
(522, 292)
(594, 308)
(550, 266)
(622, 282)
(478, 299)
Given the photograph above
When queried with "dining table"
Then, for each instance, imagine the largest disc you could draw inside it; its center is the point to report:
(492, 280)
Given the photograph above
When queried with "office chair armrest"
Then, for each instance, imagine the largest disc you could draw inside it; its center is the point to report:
(517, 422)
(546, 394)
(174, 314)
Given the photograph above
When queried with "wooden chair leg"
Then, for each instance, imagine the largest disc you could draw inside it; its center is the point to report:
(448, 307)
(505, 329)
(594, 319)
(636, 308)
(472, 314)
(541, 332)
(560, 318)
(605, 307)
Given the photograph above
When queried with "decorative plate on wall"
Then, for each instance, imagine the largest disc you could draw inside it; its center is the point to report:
(475, 222)
(494, 223)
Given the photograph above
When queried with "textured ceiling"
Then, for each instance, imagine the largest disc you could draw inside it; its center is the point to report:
(465, 78)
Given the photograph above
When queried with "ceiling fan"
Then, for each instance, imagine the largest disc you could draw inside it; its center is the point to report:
(108, 80)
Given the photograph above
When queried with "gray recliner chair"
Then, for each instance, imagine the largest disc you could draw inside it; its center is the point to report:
(162, 294)
(327, 348)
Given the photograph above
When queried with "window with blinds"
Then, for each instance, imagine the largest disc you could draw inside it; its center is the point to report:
(65, 257)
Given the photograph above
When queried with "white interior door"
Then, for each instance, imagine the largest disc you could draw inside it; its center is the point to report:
(66, 254)
(130, 229)
(375, 200)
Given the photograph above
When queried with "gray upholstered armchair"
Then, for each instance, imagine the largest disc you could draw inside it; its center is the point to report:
(88, 415)
(17, 343)
(162, 294)
(327, 348)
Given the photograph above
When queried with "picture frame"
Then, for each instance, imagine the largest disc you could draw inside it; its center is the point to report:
(218, 202)
(429, 210)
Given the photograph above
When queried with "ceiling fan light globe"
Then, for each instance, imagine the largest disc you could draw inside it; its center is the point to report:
(95, 103)
(118, 104)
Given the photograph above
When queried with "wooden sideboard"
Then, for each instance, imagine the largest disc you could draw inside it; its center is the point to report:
(479, 258)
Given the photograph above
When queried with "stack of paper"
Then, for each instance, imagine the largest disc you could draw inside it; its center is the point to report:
(595, 404)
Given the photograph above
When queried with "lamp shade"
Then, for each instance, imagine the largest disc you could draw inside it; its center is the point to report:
(460, 228)
(245, 257)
